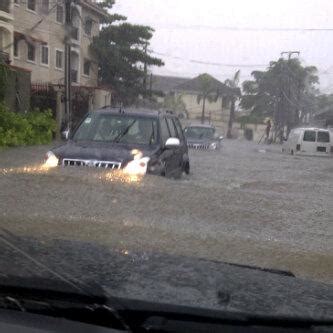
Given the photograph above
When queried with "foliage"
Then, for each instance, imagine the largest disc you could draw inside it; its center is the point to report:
(324, 103)
(122, 51)
(284, 92)
(208, 92)
(3, 81)
(25, 129)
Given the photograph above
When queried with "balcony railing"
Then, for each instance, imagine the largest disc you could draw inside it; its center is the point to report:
(74, 75)
(75, 33)
(5, 6)
(4, 58)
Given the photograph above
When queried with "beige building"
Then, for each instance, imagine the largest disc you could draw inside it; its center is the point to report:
(32, 34)
(216, 112)
(6, 30)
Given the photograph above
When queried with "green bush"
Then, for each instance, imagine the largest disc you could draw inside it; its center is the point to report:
(33, 128)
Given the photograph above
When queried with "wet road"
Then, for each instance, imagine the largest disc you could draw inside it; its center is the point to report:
(246, 204)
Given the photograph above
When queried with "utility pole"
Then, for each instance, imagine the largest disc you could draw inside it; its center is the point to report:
(288, 119)
(68, 78)
(145, 71)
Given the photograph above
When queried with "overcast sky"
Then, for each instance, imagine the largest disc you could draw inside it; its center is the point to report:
(235, 34)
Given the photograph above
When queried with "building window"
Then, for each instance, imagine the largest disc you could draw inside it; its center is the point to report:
(45, 55)
(86, 67)
(59, 59)
(60, 14)
(88, 26)
(5, 5)
(31, 5)
(45, 6)
(31, 52)
(16, 47)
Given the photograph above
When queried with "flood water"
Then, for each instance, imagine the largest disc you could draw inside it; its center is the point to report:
(247, 204)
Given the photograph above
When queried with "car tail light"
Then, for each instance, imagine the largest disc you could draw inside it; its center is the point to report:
(298, 147)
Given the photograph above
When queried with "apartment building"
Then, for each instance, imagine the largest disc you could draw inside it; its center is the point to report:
(32, 37)
(6, 30)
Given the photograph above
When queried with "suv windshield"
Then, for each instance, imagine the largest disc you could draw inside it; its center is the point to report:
(199, 132)
(117, 128)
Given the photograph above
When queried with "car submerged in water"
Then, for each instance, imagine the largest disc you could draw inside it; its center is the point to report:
(136, 141)
(203, 137)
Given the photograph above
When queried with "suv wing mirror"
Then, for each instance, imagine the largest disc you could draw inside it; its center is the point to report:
(65, 135)
(172, 143)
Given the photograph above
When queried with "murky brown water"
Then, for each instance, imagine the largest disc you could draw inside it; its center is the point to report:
(242, 204)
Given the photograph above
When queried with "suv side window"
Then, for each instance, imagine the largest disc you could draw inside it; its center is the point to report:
(165, 134)
(179, 129)
(172, 128)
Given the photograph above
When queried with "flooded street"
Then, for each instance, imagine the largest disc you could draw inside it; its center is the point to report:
(247, 204)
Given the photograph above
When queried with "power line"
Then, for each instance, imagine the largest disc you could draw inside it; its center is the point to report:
(241, 29)
(201, 62)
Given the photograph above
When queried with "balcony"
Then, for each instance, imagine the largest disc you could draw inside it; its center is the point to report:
(5, 6)
(6, 10)
(74, 76)
(4, 58)
(75, 33)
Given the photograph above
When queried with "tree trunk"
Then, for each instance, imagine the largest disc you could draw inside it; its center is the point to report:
(203, 110)
(231, 118)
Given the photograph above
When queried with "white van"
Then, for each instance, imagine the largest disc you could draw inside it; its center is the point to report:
(309, 141)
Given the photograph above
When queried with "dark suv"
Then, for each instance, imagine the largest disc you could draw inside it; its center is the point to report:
(138, 141)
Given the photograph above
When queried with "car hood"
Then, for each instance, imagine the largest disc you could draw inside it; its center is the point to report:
(100, 151)
(201, 141)
(162, 278)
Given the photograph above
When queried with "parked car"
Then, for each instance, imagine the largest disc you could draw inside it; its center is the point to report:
(202, 137)
(309, 141)
(137, 141)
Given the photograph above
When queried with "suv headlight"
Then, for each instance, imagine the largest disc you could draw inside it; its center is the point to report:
(137, 167)
(51, 161)
(213, 145)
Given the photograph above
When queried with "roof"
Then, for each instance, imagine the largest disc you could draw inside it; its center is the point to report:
(310, 129)
(166, 83)
(142, 112)
(195, 85)
(201, 125)
(92, 5)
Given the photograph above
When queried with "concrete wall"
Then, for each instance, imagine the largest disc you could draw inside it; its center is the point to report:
(101, 98)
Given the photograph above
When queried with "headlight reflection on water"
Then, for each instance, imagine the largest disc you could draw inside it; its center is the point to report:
(37, 169)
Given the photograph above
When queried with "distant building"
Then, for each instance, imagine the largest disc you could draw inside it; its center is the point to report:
(216, 112)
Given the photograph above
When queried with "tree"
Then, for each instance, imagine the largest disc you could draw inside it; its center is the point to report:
(208, 92)
(122, 53)
(233, 84)
(282, 92)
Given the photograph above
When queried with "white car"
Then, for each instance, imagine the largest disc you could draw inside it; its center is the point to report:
(309, 141)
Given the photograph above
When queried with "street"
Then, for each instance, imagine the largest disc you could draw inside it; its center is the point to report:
(247, 204)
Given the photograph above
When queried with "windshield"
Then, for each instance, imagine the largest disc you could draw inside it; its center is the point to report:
(172, 151)
(199, 133)
(117, 129)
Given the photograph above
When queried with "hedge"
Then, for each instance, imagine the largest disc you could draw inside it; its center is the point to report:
(33, 128)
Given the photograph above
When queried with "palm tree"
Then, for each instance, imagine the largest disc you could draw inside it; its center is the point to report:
(233, 84)
(207, 93)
